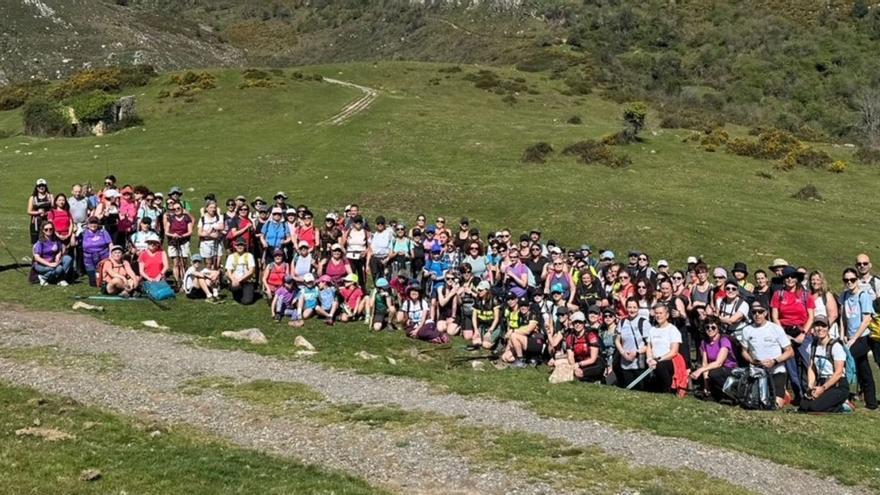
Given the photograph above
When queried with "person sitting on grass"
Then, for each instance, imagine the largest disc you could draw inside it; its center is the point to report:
(414, 310)
(307, 301)
(153, 263)
(240, 267)
(827, 385)
(273, 275)
(328, 305)
(765, 344)
(582, 349)
(117, 276)
(380, 308)
(445, 305)
(719, 360)
(284, 300)
(52, 265)
(201, 282)
(521, 322)
(486, 318)
(95, 247)
(353, 300)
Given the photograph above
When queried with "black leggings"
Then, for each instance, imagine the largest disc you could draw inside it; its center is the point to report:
(359, 267)
(715, 383)
(859, 352)
(594, 372)
(830, 401)
(627, 377)
(244, 294)
(662, 380)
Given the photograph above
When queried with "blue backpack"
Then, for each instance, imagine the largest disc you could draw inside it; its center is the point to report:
(158, 291)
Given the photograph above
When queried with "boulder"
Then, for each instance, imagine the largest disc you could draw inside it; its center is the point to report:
(366, 356)
(153, 324)
(90, 475)
(252, 335)
(301, 341)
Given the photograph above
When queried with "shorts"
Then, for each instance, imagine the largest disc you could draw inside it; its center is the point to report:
(779, 381)
(210, 249)
(178, 252)
(484, 332)
(195, 293)
(380, 317)
(534, 346)
(467, 323)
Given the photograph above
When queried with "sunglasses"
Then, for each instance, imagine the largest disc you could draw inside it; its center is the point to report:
(642, 287)
(850, 280)
(624, 277)
(720, 277)
(505, 236)
(474, 248)
(643, 259)
(711, 327)
(48, 230)
(677, 277)
(863, 263)
(731, 289)
(759, 311)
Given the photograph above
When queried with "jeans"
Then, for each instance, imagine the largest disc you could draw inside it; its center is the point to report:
(55, 274)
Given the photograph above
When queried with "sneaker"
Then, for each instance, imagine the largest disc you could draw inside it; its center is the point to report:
(847, 407)
(519, 363)
(43, 281)
(63, 283)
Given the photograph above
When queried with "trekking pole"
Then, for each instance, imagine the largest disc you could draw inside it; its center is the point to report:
(15, 263)
(639, 378)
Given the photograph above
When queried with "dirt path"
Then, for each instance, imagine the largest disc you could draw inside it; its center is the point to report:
(354, 107)
(156, 365)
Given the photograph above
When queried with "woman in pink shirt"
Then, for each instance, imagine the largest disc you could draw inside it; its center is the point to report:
(60, 217)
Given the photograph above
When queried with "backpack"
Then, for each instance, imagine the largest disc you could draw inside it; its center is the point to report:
(751, 387)
(158, 291)
(850, 366)
(874, 326)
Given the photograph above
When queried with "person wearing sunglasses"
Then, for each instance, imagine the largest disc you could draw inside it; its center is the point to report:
(870, 283)
(179, 228)
(379, 249)
(793, 308)
(765, 344)
(478, 263)
(857, 311)
(827, 385)
(644, 270)
(516, 274)
(583, 349)
(732, 313)
(644, 293)
(718, 359)
(39, 204)
(446, 304)
(51, 263)
(559, 276)
(625, 290)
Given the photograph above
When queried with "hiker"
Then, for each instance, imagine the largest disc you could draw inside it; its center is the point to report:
(486, 318)
(329, 234)
(792, 309)
(240, 268)
(60, 218)
(583, 349)
(51, 263)
(353, 300)
(328, 305)
(128, 209)
(765, 344)
(178, 225)
(201, 281)
(400, 258)
(644, 294)
(624, 291)
(732, 312)
(303, 262)
(558, 276)
(445, 305)
(274, 235)
(241, 228)
(588, 292)
(824, 301)
(663, 340)
(380, 308)
(827, 388)
(415, 311)
(117, 276)
(39, 204)
(107, 212)
(857, 311)
(176, 194)
(212, 231)
(153, 263)
(379, 250)
(306, 233)
(740, 273)
(96, 248)
(632, 343)
(274, 275)
(871, 284)
(79, 215)
(289, 242)
(718, 360)
(307, 300)
(355, 240)
(284, 301)
(762, 290)
(521, 321)
(337, 266)
(608, 339)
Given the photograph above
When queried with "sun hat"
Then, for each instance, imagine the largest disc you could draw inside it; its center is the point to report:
(740, 267)
(277, 211)
(197, 258)
(586, 247)
(152, 237)
(484, 285)
(557, 288)
(288, 279)
(332, 216)
(241, 197)
(607, 255)
(634, 254)
(594, 309)
(790, 271)
(430, 229)
(663, 263)
(325, 279)
(336, 247)
(111, 193)
(115, 247)
(175, 190)
(561, 310)
(280, 194)
(240, 242)
(308, 278)
(381, 283)
(820, 320)
(556, 250)
(436, 249)
(464, 221)
(719, 272)
(778, 263)
(289, 211)
(302, 244)
(692, 260)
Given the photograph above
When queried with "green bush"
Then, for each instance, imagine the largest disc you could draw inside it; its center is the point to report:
(449, 70)
(108, 79)
(634, 116)
(46, 118)
(838, 167)
(91, 107)
(537, 153)
(806, 156)
(15, 95)
(771, 145)
(689, 119)
(868, 156)
(255, 74)
(578, 85)
(510, 100)
(575, 120)
(807, 193)
(590, 151)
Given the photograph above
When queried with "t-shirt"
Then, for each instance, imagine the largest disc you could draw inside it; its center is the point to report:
(632, 339)
(855, 306)
(792, 306)
(824, 366)
(239, 264)
(766, 342)
(189, 282)
(61, 220)
(327, 296)
(285, 296)
(416, 311)
(712, 349)
(274, 233)
(580, 345)
(48, 249)
(79, 210)
(730, 308)
(95, 242)
(351, 295)
(309, 296)
(517, 270)
(662, 338)
(380, 243)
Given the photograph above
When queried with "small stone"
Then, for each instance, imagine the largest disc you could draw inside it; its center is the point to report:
(47, 434)
(155, 434)
(478, 365)
(37, 422)
(37, 401)
(366, 356)
(301, 341)
(87, 306)
(90, 475)
(305, 353)
(252, 335)
(391, 360)
(153, 324)
(562, 372)
(88, 425)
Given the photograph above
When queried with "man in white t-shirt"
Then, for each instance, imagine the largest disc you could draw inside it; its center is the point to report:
(766, 344)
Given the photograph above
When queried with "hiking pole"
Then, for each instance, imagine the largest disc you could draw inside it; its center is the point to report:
(639, 378)
(15, 263)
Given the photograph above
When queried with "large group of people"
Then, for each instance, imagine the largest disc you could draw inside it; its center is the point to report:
(524, 300)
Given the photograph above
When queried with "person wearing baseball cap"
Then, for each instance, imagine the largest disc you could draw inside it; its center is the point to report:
(765, 344)
(274, 273)
(307, 301)
(152, 263)
(240, 269)
(117, 276)
(201, 282)
(583, 349)
(353, 300)
(827, 385)
(40, 203)
(486, 318)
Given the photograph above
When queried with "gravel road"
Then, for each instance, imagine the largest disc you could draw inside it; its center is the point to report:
(157, 364)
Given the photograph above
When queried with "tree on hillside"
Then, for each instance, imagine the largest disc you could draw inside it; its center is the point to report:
(868, 103)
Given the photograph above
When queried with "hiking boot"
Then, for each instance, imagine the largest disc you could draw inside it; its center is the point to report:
(328, 322)
(519, 363)
(63, 283)
(43, 281)
(534, 362)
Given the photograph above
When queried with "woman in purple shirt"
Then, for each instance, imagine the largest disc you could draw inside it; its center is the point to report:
(718, 360)
(96, 247)
(50, 262)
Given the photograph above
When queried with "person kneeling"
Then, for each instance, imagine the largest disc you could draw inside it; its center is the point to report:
(353, 300)
(240, 269)
(200, 282)
(117, 275)
(583, 350)
(827, 385)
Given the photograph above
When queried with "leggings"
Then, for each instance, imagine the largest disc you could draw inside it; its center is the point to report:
(594, 372)
(628, 376)
(830, 401)
(359, 267)
(662, 380)
(859, 352)
(244, 294)
(715, 383)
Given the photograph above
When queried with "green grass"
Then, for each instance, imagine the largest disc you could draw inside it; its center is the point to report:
(453, 149)
(178, 461)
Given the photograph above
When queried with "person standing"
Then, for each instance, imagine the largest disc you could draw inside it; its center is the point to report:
(178, 227)
(766, 344)
(793, 309)
(79, 214)
(39, 204)
(857, 311)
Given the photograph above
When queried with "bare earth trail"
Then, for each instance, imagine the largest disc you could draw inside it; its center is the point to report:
(353, 108)
(157, 365)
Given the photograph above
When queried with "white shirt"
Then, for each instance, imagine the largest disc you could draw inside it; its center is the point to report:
(632, 339)
(824, 367)
(766, 342)
(662, 338)
(189, 281)
(239, 265)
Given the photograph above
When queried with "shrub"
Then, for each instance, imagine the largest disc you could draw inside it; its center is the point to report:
(91, 107)
(108, 79)
(808, 193)
(868, 156)
(687, 119)
(510, 100)
(807, 157)
(449, 70)
(578, 85)
(590, 151)
(191, 83)
(772, 145)
(575, 120)
(255, 74)
(838, 167)
(537, 153)
(714, 137)
(43, 117)
(15, 95)
(614, 139)
(634, 116)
